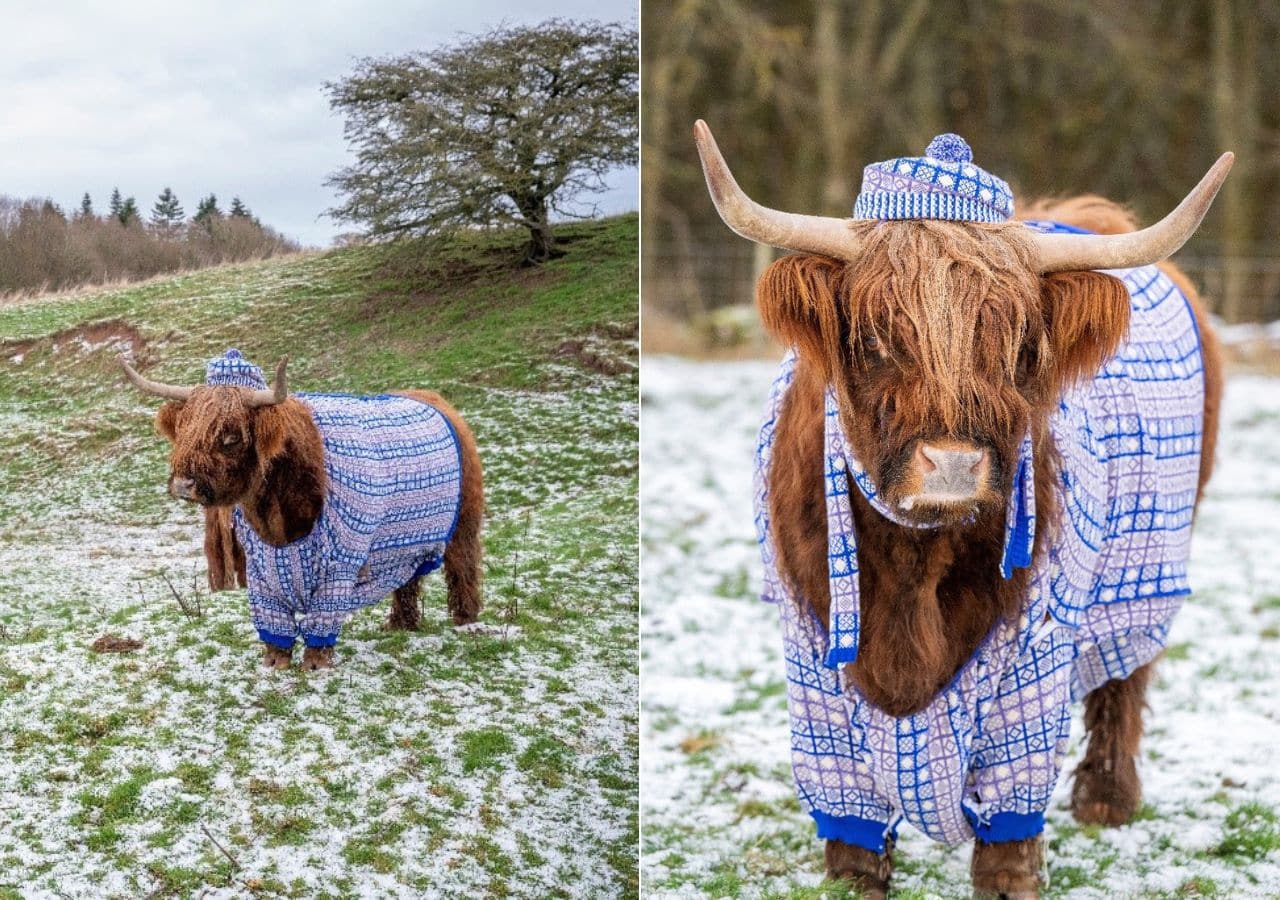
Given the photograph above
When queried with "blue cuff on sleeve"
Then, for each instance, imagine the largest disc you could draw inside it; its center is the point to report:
(1006, 826)
(327, 640)
(866, 833)
(278, 640)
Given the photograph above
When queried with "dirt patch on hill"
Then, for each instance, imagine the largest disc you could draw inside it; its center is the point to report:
(593, 356)
(115, 335)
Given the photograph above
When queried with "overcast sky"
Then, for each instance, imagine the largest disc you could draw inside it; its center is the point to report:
(217, 96)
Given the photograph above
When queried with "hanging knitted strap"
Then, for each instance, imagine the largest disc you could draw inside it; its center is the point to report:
(1020, 514)
(841, 467)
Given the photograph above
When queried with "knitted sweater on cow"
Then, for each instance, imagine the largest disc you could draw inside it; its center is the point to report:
(983, 757)
(394, 477)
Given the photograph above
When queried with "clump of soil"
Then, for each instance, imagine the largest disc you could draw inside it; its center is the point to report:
(113, 643)
(591, 358)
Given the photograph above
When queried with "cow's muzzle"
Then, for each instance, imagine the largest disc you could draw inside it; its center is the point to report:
(948, 474)
(184, 489)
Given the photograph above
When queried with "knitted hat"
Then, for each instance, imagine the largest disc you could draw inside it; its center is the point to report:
(234, 370)
(942, 184)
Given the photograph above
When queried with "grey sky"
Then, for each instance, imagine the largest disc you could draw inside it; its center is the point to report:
(216, 96)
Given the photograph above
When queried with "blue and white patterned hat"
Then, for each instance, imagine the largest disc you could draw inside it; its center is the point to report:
(942, 184)
(232, 369)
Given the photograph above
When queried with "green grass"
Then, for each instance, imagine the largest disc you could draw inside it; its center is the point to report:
(124, 773)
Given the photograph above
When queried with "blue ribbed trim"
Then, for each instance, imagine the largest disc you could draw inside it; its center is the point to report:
(320, 640)
(429, 565)
(1006, 826)
(277, 640)
(934, 205)
(865, 833)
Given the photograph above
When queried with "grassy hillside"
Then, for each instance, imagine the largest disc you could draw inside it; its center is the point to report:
(439, 762)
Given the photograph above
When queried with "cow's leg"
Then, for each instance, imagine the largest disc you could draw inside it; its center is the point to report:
(316, 658)
(867, 870)
(462, 570)
(405, 612)
(276, 657)
(1107, 790)
(1007, 869)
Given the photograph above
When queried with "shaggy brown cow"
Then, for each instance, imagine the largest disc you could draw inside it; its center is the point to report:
(264, 455)
(944, 350)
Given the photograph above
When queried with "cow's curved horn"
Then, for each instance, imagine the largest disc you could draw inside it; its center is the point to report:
(1078, 252)
(278, 392)
(789, 231)
(168, 391)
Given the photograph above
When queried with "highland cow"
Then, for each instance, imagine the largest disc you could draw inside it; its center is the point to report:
(975, 489)
(324, 503)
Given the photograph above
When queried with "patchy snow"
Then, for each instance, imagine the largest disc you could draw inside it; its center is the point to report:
(718, 813)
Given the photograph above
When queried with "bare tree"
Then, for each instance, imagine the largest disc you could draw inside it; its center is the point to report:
(509, 127)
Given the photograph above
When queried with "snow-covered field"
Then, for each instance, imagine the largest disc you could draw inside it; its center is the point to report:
(719, 817)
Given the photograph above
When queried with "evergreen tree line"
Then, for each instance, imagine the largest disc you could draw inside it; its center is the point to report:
(42, 247)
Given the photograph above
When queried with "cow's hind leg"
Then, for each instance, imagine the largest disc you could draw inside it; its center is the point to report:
(1106, 789)
(406, 613)
(462, 570)
(868, 871)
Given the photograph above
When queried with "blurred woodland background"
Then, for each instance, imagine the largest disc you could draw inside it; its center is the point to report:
(1130, 100)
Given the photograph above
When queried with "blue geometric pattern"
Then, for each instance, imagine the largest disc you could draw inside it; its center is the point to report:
(394, 479)
(983, 757)
(942, 184)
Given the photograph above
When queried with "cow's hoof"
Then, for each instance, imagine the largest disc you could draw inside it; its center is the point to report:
(1010, 870)
(316, 658)
(1104, 794)
(274, 657)
(867, 871)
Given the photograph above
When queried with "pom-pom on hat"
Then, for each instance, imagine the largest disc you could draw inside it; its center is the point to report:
(232, 369)
(942, 184)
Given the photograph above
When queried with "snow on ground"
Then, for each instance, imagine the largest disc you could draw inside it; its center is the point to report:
(718, 813)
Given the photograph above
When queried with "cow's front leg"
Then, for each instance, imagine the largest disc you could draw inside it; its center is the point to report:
(316, 658)
(276, 657)
(867, 870)
(1107, 790)
(1007, 869)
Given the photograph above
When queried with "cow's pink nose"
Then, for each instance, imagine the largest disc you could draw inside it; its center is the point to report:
(955, 472)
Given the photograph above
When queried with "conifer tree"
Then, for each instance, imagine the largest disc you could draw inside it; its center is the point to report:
(129, 212)
(167, 214)
(207, 209)
(116, 204)
(86, 207)
(239, 210)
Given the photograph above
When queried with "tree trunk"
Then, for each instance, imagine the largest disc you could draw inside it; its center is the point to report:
(541, 246)
(1232, 200)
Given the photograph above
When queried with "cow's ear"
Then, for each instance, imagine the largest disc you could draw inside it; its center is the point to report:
(1086, 316)
(796, 297)
(167, 420)
(273, 426)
